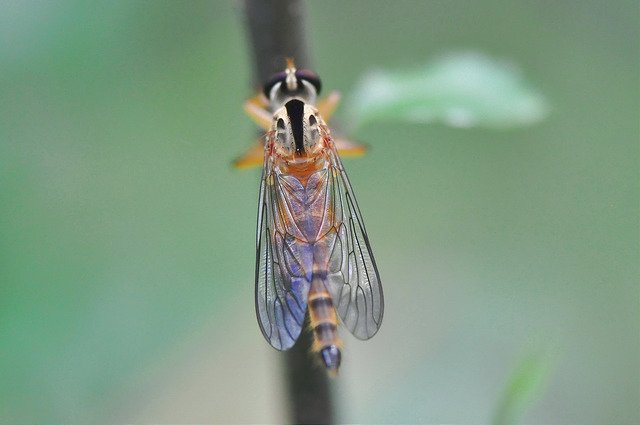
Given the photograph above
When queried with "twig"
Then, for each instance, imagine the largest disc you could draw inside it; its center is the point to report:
(277, 30)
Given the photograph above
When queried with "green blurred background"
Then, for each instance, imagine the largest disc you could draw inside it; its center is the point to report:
(509, 257)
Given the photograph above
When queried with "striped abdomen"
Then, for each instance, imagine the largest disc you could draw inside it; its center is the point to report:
(324, 324)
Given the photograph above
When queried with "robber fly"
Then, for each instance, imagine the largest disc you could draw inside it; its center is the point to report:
(312, 251)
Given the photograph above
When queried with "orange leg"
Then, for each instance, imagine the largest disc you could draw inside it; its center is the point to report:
(348, 148)
(252, 157)
(328, 105)
(256, 108)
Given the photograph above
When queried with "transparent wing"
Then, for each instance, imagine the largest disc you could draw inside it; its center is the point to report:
(281, 286)
(353, 278)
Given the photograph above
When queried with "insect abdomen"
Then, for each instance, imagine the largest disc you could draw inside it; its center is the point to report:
(324, 323)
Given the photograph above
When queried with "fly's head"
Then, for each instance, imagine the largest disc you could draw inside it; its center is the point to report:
(296, 124)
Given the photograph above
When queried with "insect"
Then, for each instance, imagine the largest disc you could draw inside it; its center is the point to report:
(312, 249)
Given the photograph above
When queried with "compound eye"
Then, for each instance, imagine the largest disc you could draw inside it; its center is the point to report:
(301, 75)
(310, 77)
(280, 77)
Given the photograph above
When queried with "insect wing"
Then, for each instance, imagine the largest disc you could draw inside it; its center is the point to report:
(281, 295)
(355, 285)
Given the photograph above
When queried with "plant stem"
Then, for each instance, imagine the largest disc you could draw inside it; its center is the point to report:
(276, 29)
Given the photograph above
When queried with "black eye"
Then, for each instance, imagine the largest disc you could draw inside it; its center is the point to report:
(280, 124)
(311, 77)
(312, 120)
(301, 74)
(275, 79)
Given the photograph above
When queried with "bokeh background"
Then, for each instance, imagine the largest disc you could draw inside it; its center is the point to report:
(509, 257)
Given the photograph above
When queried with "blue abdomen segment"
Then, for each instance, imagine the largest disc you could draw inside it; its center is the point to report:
(331, 357)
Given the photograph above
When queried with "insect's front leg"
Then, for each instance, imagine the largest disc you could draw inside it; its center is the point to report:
(345, 147)
(256, 108)
(327, 105)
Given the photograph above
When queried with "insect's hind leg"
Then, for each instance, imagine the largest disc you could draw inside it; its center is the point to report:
(252, 157)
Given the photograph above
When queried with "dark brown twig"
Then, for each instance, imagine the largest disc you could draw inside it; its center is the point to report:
(277, 30)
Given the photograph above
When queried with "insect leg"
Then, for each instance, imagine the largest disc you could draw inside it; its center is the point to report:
(252, 157)
(327, 105)
(256, 108)
(349, 148)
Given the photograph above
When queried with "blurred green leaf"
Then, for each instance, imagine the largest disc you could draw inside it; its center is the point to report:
(525, 385)
(460, 90)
